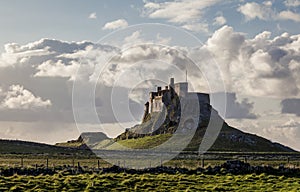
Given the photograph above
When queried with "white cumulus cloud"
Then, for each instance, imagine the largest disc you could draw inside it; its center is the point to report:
(120, 23)
(289, 15)
(19, 98)
(57, 69)
(265, 11)
(183, 11)
(254, 10)
(220, 20)
(187, 13)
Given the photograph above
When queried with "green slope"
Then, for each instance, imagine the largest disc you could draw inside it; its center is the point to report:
(229, 139)
(25, 147)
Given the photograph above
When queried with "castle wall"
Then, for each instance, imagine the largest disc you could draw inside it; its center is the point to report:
(160, 98)
(157, 104)
(181, 89)
(203, 98)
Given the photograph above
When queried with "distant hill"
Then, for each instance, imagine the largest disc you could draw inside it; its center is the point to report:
(230, 139)
(140, 136)
(26, 147)
(94, 140)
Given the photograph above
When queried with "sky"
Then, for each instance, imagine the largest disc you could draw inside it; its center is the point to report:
(107, 56)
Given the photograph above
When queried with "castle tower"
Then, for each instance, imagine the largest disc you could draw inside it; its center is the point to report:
(171, 87)
(171, 83)
(181, 89)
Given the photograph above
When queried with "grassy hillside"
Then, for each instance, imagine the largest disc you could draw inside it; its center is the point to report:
(25, 147)
(229, 139)
(140, 143)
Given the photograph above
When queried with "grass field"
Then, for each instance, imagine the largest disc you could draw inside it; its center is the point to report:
(157, 182)
(140, 182)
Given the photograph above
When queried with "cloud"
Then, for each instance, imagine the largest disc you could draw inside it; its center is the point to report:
(187, 13)
(265, 12)
(234, 109)
(225, 46)
(254, 10)
(220, 20)
(93, 15)
(120, 23)
(258, 66)
(57, 69)
(19, 98)
(292, 3)
(197, 27)
(37, 52)
(178, 11)
(52, 45)
(289, 15)
(291, 106)
(291, 123)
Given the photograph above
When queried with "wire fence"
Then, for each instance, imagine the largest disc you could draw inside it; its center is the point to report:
(189, 160)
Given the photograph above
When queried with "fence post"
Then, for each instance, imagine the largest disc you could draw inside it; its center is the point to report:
(47, 163)
(22, 162)
(202, 161)
(98, 164)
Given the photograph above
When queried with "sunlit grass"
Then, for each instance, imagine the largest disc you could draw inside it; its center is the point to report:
(161, 182)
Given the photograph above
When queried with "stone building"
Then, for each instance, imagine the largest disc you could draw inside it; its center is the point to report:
(161, 98)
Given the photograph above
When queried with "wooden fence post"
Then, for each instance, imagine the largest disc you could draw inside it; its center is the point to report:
(22, 162)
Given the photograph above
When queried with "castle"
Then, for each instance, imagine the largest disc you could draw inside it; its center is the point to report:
(163, 97)
(173, 109)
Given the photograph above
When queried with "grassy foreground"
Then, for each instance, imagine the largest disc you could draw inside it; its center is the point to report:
(157, 182)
